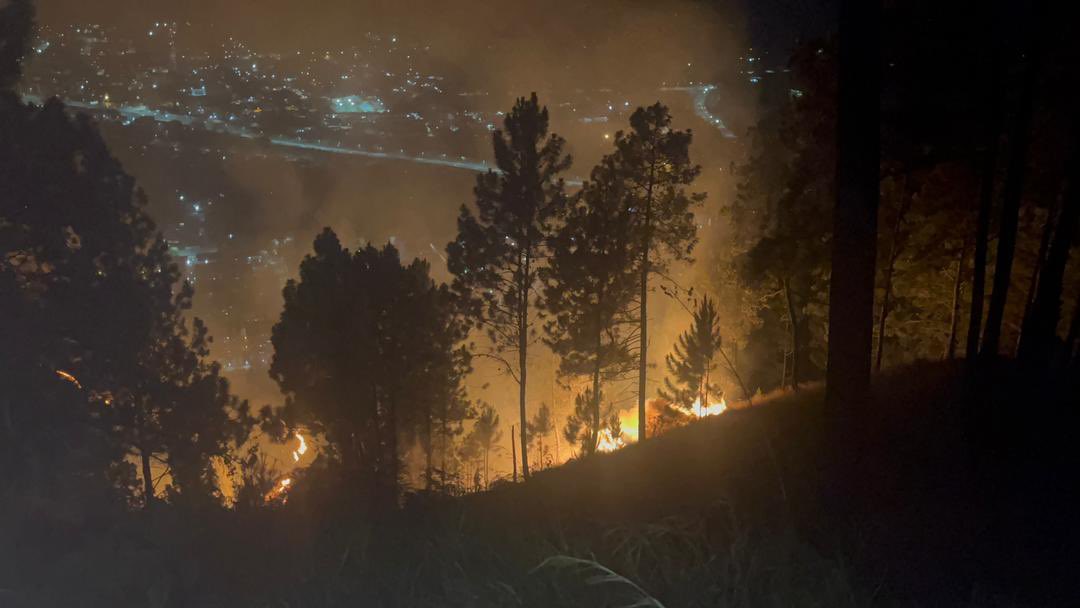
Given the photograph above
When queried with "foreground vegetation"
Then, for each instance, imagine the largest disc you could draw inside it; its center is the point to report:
(745, 509)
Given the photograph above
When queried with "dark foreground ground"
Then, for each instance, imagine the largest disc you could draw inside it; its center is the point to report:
(947, 492)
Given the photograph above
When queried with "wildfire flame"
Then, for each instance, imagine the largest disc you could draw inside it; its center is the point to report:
(712, 409)
(66, 376)
(279, 490)
(607, 443)
(301, 450)
(628, 421)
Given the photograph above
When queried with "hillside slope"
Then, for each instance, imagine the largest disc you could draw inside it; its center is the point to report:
(944, 494)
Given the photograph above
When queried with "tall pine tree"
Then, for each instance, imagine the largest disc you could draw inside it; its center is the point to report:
(654, 161)
(540, 428)
(98, 360)
(495, 257)
(589, 284)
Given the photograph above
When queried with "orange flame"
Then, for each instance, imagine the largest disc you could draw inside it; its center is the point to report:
(301, 450)
(279, 491)
(628, 421)
(66, 376)
(712, 409)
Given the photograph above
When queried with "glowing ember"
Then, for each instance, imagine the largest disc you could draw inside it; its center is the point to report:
(298, 452)
(68, 377)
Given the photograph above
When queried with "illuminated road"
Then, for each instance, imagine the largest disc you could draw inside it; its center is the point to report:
(701, 108)
(700, 95)
(161, 116)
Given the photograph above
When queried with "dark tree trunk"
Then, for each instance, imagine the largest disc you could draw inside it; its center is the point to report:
(1040, 327)
(523, 347)
(429, 472)
(988, 173)
(958, 289)
(890, 270)
(854, 246)
(392, 462)
(148, 479)
(643, 323)
(883, 319)
(643, 332)
(1036, 271)
(796, 347)
(1011, 195)
(594, 437)
(444, 448)
(513, 450)
(1072, 357)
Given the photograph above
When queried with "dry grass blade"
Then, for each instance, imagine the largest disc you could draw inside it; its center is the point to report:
(597, 574)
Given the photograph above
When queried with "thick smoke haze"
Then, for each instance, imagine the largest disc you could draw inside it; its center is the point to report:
(501, 46)
(620, 52)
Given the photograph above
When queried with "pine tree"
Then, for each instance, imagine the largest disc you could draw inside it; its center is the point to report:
(783, 203)
(484, 438)
(366, 352)
(495, 256)
(540, 427)
(99, 360)
(654, 161)
(695, 359)
(585, 426)
(178, 411)
(589, 283)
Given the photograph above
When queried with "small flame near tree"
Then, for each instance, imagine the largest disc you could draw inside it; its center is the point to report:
(280, 491)
(628, 422)
(301, 449)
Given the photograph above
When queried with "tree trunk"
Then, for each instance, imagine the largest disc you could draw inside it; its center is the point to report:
(148, 479)
(556, 434)
(445, 448)
(1036, 271)
(883, 317)
(1012, 193)
(890, 270)
(988, 172)
(523, 346)
(392, 464)
(598, 366)
(796, 349)
(854, 246)
(643, 324)
(1072, 357)
(1040, 327)
(958, 287)
(513, 450)
(429, 471)
(643, 334)
(594, 437)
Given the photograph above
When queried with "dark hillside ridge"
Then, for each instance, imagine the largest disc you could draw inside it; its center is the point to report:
(932, 511)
